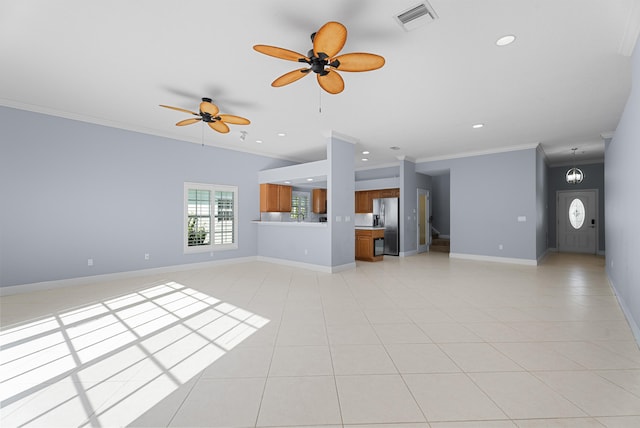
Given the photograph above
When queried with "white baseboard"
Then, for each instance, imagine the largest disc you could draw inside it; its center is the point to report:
(635, 329)
(342, 268)
(545, 254)
(317, 268)
(555, 250)
(84, 280)
(408, 253)
(527, 262)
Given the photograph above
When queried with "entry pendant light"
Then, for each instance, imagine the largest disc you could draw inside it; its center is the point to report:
(574, 175)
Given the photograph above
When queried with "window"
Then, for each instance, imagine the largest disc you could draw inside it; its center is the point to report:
(299, 205)
(576, 213)
(211, 217)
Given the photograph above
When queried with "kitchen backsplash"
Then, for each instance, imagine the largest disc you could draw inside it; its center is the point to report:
(364, 220)
(286, 217)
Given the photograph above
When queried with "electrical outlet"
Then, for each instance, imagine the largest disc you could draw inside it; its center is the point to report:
(306, 251)
(146, 256)
(500, 247)
(90, 262)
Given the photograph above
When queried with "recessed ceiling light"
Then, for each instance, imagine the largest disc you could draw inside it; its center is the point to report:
(478, 125)
(259, 141)
(364, 159)
(287, 182)
(309, 179)
(506, 40)
(366, 152)
(281, 134)
(394, 148)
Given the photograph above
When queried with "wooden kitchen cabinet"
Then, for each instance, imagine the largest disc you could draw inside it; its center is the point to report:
(275, 198)
(365, 246)
(389, 193)
(364, 202)
(319, 201)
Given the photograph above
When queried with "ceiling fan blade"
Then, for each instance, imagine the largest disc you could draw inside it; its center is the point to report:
(234, 120)
(279, 52)
(359, 62)
(329, 39)
(179, 109)
(290, 77)
(188, 122)
(207, 107)
(219, 126)
(331, 82)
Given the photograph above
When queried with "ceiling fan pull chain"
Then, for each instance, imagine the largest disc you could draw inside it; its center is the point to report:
(320, 100)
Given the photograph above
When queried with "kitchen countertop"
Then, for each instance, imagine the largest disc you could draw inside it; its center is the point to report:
(291, 223)
(370, 227)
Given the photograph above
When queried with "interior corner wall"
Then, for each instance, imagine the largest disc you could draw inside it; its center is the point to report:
(489, 193)
(622, 204)
(340, 201)
(593, 179)
(408, 226)
(441, 202)
(542, 208)
(73, 191)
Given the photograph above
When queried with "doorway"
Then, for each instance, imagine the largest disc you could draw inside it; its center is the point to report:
(424, 229)
(577, 214)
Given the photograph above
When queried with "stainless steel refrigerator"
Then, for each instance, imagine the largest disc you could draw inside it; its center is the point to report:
(388, 210)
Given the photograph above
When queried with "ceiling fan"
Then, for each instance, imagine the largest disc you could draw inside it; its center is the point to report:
(322, 59)
(209, 115)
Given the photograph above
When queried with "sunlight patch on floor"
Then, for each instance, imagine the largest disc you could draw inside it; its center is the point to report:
(112, 361)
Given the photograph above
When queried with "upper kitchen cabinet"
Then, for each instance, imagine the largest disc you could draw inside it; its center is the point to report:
(319, 201)
(389, 193)
(364, 200)
(275, 198)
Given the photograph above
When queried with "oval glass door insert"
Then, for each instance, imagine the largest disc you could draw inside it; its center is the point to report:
(576, 213)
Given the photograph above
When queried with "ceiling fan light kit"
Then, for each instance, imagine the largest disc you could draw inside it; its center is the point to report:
(322, 59)
(209, 115)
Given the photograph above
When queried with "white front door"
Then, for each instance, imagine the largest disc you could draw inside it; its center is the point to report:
(423, 221)
(577, 216)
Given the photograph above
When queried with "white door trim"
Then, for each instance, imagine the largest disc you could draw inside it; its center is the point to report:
(427, 225)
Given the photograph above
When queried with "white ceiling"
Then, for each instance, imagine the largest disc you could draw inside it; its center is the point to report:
(563, 83)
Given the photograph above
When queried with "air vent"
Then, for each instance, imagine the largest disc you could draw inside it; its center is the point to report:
(416, 16)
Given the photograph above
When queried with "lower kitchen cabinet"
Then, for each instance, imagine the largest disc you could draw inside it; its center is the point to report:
(365, 244)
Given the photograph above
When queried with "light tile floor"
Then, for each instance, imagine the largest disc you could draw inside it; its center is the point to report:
(422, 341)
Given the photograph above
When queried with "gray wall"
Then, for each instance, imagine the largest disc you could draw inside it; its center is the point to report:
(303, 244)
(72, 191)
(622, 204)
(542, 218)
(441, 203)
(408, 208)
(486, 202)
(376, 173)
(593, 179)
(341, 201)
